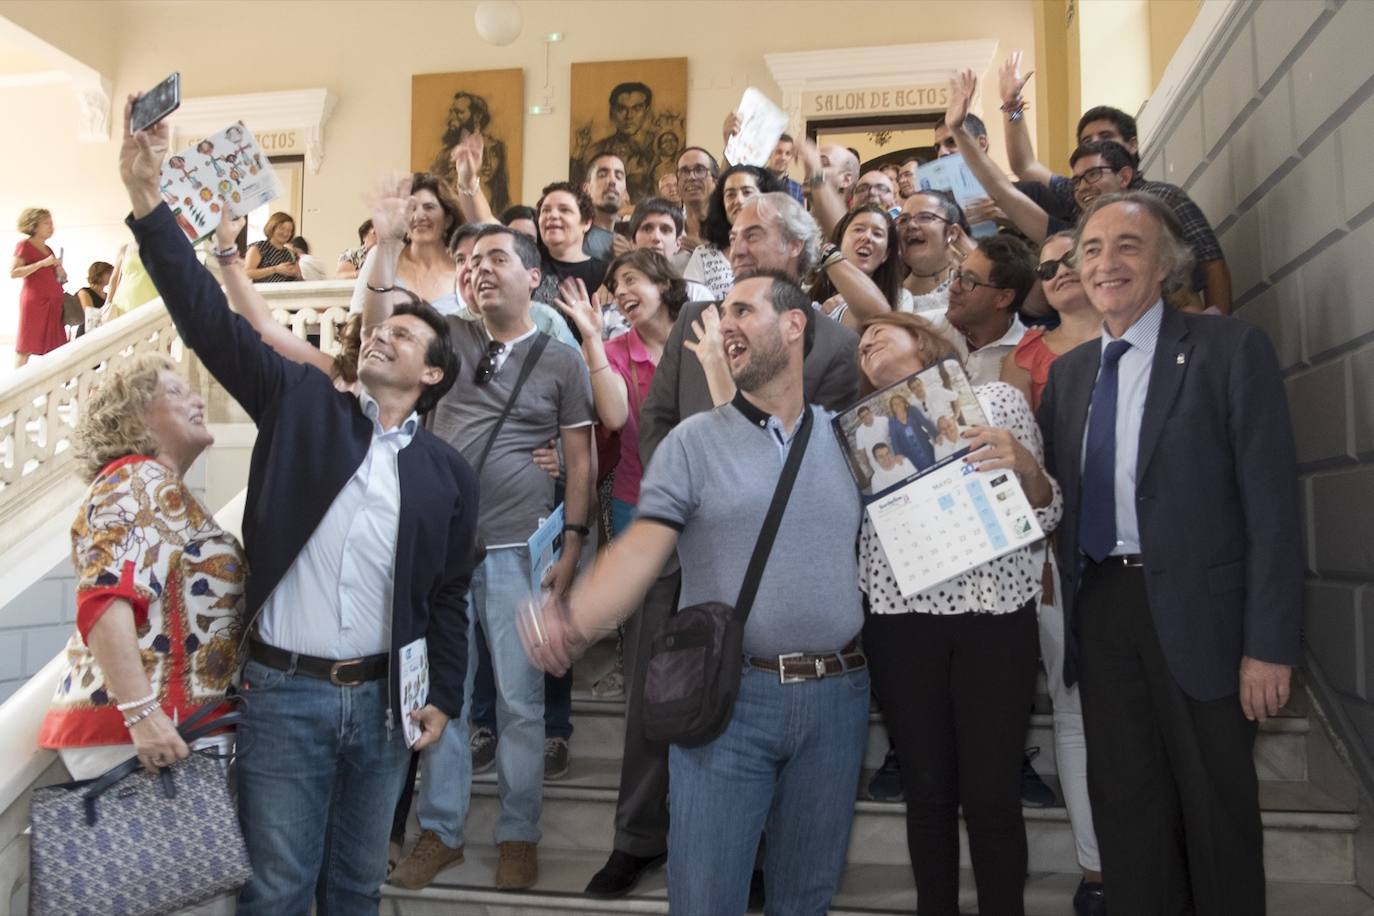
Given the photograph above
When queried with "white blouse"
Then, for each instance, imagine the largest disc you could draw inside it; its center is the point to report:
(999, 586)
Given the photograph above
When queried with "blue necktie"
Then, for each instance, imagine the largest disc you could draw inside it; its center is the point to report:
(1097, 528)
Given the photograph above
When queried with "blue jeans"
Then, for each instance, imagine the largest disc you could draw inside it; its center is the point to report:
(789, 762)
(499, 587)
(557, 696)
(319, 773)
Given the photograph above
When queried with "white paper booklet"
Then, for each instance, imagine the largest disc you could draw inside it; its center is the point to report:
(761, 124)
(414, 686)
(224, 172)
(545, 546)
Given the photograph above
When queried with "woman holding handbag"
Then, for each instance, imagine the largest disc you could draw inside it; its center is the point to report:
(159, 586)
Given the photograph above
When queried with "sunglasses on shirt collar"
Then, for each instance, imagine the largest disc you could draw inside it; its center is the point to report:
(486, 366)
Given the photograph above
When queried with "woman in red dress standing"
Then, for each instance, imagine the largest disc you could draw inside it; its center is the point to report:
(40, 301)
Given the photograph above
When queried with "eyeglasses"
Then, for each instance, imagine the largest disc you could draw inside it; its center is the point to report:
(925, 218)
(966, 284)
(1092, 176)
(486, 366)
(695, 171)
(1048, 270)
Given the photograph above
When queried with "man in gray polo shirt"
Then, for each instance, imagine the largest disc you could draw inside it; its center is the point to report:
(554, 402)
(789, 759)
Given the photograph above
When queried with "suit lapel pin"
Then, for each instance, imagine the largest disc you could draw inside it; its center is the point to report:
(1180, 359)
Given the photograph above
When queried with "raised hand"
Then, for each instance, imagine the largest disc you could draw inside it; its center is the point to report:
(574, 302)
(982, 210)
(392, 206)
(467, 160)
(731, 126)
(962, 86)
(810, 155)
(227, 232)
(1009, 78)
(709, 346)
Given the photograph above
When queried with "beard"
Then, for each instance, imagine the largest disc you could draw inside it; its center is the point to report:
(766, 360)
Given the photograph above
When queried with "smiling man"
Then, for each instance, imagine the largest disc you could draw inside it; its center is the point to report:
(1181, 558)
(506, 361)
(789, 758)
(340, 579)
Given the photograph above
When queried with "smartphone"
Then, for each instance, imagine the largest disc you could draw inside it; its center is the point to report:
(156, 104)
(622, 227)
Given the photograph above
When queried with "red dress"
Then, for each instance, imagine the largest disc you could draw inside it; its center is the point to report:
(40, 306)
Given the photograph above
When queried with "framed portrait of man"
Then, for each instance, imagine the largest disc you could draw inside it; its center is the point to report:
(447, 108)
(636, 109)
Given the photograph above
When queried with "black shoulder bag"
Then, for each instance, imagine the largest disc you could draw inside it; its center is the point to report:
(541, 340)
(694, 666)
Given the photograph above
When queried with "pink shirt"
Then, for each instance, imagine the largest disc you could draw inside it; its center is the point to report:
(630, 360)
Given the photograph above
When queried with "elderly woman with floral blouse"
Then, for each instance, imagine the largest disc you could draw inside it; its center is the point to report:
(159, 589)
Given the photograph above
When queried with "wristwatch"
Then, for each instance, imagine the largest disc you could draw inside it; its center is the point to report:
(583, 530)
(814, 181)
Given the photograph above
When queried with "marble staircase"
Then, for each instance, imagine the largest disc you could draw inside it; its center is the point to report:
(1310, 812)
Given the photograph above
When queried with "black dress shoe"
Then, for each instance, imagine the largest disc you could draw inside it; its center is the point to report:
(620, 874)
(1089, 899)
(756, 896)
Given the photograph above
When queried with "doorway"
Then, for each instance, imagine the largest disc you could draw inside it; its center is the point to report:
(880, 139)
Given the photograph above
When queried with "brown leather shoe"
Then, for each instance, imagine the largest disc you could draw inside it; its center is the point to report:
(429, 857)
(518, 866)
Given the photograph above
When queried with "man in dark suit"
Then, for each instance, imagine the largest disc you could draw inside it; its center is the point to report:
(360, 531)
(1182, 567)
(774, 233)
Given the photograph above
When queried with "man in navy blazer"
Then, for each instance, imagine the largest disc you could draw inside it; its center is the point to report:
(360, 530)
(1182, 567)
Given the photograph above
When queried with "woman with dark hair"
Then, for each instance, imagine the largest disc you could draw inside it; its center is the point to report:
(649, 294)
(867, 238)
(954, 666)
(710, 262)
(911, 432)
(417, 248)
(351, 261)
(272, 260)
(92, 296)
(564, 216)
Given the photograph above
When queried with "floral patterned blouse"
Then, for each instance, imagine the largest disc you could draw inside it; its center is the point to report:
(142, 535)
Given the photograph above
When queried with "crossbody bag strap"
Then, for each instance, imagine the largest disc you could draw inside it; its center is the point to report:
(536, 350)
(754, 574)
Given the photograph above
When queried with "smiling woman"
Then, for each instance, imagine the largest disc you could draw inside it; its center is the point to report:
(156, 578)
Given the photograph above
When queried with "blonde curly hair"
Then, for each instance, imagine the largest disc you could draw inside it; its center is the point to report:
(29, 218)
(112, 425)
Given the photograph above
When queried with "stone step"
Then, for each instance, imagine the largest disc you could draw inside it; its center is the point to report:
(871, 890)
(1309, 834)
(1280, 749)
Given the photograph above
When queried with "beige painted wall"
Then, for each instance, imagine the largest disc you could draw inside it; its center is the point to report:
(366, 52)
(1169, 23)
(1114, 53)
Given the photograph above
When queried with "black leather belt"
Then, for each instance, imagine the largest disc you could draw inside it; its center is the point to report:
(341, 672)
(793, 667)
(1129, 560)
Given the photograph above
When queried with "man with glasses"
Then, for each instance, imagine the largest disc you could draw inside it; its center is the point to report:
(517, 391)
(985, 294)
(696, 182)
(875, 188)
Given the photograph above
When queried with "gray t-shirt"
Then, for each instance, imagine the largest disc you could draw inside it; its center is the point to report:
(515, 493)
(713, 478)
(597, 243)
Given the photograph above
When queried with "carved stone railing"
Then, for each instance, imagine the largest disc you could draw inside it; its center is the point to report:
(41, 402)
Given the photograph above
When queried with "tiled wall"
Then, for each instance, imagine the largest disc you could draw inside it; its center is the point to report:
(1276, 144)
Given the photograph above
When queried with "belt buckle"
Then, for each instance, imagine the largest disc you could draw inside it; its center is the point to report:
(782, 668)
(334, 673)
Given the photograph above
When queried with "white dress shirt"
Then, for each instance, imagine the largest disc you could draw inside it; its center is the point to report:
(335, 600)
(1133, 383)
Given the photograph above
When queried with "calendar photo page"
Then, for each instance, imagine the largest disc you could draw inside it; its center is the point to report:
(935, 516)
